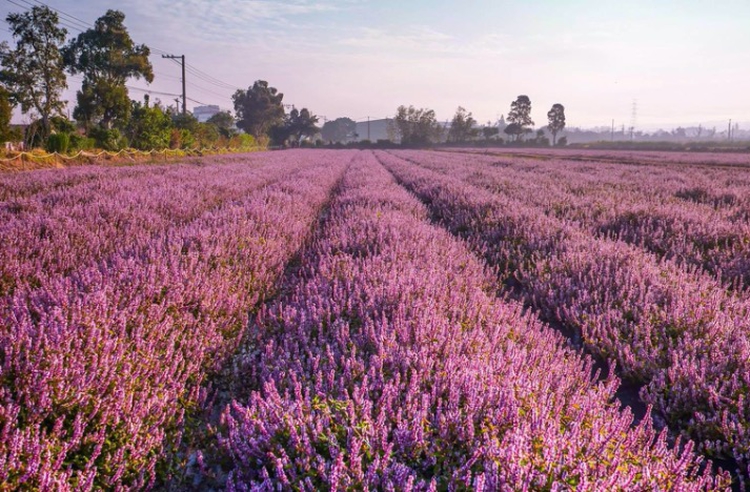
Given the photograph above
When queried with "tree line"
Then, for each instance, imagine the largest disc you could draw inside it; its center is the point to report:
(412, 126)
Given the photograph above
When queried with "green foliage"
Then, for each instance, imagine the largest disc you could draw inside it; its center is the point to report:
(259, 108)
(6, 113)
(303, 124)
(181, 138)
(150, 128)
(490, 131)
(556, 118)
(106, 139)
(416, 126)
(33, 72)
(58, 142)
(515, 130)
(61, 124)
(562, 142)
(102, 102)
(224, 123)
(207, 135)
(520, 116)
(107, 57)
(541, 139)
(79, 142)
(462, 127)
(187, 139)
(297, 126)
(243, 141)
(185, 122)
(339, 130)
(279, 134)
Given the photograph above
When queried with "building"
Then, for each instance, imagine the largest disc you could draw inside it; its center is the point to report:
(204, 113)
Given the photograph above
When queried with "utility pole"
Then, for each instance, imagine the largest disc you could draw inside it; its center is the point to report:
(613, 130)
(184, 96)
(729, 130)
(368, 128)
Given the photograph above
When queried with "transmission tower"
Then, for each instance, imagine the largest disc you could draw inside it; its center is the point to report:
(633, 119)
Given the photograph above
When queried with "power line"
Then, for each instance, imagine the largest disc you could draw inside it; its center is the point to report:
(211, 77)
(62, 22)
(197, 102)
(208, 91)
(211, 80)
(72, 18)
(149, 91)
(166, 76)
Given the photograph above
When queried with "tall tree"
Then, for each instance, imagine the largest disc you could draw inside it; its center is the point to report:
(259, 108)
(302, 124)
(462, 127)
(556, 118)
(34, 71)
(417, 126)
(107, 57)
(519, 117)
(339, 130)
(223, 121)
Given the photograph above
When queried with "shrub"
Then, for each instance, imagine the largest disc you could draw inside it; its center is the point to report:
(58, 142)
(244, 141)
(79, 142)
(107, 139)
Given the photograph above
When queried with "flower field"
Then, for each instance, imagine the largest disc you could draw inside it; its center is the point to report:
(388, 320)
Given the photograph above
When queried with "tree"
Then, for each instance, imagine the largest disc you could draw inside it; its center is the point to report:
(489, 131)
(207, 134)
(295, 127)
(302, 124)
(339, 130)
(149, 127)
(185, 121)
(223, 121)
(556, 118)
(515, 130)
(541, 139)
(107, 57)
(416, 126)
(259, 108)
(34, 71)
(520, 115)
(462, 127)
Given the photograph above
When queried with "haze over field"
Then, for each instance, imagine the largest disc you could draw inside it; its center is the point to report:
(683, 62)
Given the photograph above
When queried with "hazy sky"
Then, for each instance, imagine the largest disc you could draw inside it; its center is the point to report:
(684, 61)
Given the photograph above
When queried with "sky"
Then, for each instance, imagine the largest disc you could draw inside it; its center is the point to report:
(678, 62)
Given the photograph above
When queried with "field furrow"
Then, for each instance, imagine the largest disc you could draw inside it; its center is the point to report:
(99, 365)
(390, 364)
(688, 223)
(678, 332)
